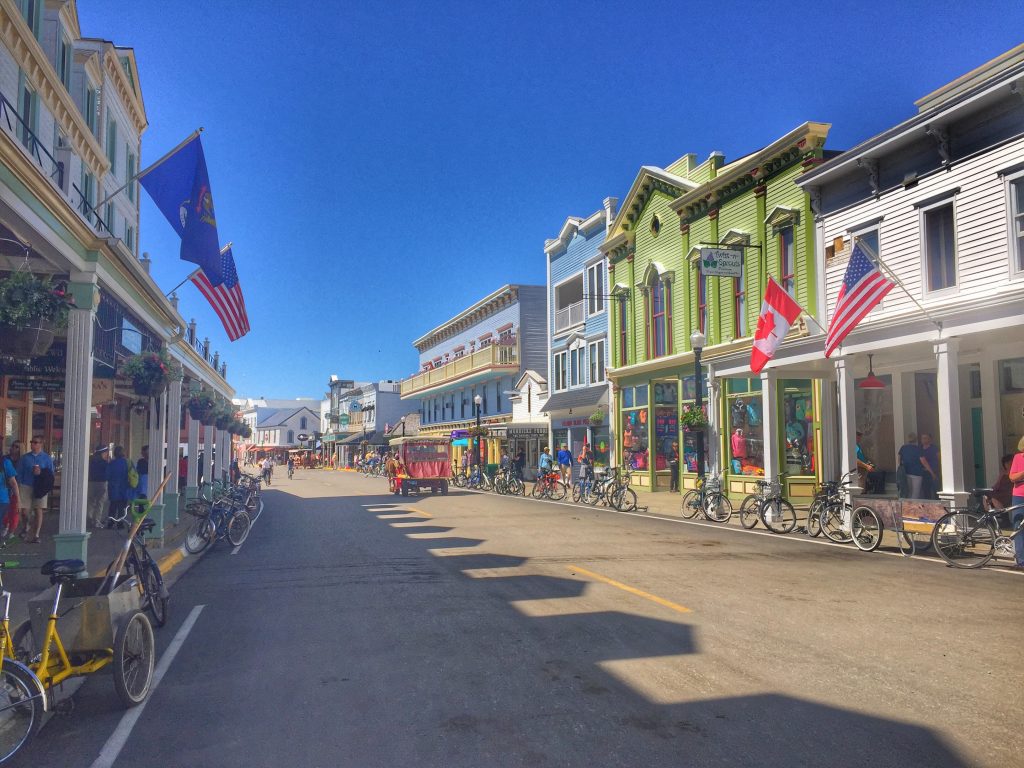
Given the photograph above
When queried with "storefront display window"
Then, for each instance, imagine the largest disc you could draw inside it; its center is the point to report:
(666, 421)
(634, 426)
(798, 421)
(745, 421)
(601, 446)
(559, 438)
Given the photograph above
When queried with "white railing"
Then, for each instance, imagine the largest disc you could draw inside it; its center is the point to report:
(567, 317)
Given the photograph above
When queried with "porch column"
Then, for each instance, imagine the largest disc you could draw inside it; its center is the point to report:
(173, 433)
(192, 478)
(950, 437)
(770, 424)
(209, 471)
(71, 541)
(847, 426)
(157, 419)
(829, 430)
(225, 462)
(714, 405)
(991, 414)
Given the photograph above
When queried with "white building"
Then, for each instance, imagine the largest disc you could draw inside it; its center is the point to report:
(940, 198)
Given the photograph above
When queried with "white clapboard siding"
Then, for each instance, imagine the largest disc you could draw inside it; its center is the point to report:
(982, 225)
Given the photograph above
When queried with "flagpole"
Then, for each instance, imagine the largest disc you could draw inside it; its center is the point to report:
(196, 271)
(878, 260)
(148, 168)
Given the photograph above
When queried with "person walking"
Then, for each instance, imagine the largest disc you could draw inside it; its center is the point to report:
(565, 464)
(910, 462)
(97, 498)
(1016, 475)
(267, 470)
(142, 467)
(8, 500)
(932, 468)
(35, 481)
(118, 490)
(673, 466)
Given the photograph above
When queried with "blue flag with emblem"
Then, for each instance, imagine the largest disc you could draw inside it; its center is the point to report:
(180, 187)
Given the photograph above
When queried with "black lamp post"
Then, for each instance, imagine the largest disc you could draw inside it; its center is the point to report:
(477, 402)
(697, 341)
(403, 426)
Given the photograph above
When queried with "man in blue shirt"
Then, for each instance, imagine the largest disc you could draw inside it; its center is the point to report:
(31, 466)
(565, 463)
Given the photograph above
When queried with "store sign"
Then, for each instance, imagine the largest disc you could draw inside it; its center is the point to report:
(528, 432)
(722, 262)
(574, 422)
(24, 384)
(458, 434)
(53, 363)
(343, 419)
(102, 392)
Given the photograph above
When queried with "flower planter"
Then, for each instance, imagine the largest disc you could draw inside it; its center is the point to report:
(149, 387)
(199, 414)
(32, 341)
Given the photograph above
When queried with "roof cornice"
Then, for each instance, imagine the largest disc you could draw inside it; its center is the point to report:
(648, 180)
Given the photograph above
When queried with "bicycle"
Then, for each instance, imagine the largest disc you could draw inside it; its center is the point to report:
(223, 519)
(549, 485)
(767, 505)
(708, 500)
(150, 582)
(829, 509)
(581, 489)
(970, 538)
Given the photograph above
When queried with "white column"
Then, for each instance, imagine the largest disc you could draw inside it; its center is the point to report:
(714, 405)
(173, 432)
(192, 479)
(155, 441)
(829, 430)
(847, 424)
(899, 420)
(211, 441)
(770, 424)
(225, 462)
(991, 414)
(71, 540)
(950, 437)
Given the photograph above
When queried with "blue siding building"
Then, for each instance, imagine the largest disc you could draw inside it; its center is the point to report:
(473, 361)
(578, 346)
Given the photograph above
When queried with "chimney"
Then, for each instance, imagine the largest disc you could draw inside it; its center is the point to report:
(610, 206)
(145, 261)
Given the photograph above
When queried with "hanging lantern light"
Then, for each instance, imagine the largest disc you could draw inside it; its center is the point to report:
(872, 381)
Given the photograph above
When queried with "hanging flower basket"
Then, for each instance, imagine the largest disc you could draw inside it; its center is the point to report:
(149, 372)
(223, 417)
(597, 418)
(246, 431)
(32, 308)
(478, 431)
(692, 418)
(200, 406)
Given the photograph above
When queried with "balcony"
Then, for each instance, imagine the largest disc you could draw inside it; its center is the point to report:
(493, 357)
(567, 317)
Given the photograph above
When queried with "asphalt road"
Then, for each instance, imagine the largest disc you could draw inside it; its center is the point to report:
(358, 629)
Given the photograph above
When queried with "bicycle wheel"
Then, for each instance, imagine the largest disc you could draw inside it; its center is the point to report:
(254, 506)
(964, 539)
(459, 479)
(717, 507)
(239, 526)
(866, 529)
(832, 523)
(538, 490)
(21, 708)
(749, 510)
(577, 491)
(557, 491)
(155, 595)
(624, 499)
(691, 505)
(813, 525)
(778, 516)
(134, 658)
(200, 534)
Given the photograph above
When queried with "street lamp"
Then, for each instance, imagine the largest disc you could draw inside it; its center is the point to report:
(477, 402)
(403, 425)
(697, 342)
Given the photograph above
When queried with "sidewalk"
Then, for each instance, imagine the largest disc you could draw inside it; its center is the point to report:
(24, 581)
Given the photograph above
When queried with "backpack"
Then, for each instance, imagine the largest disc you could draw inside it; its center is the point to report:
(133, 477)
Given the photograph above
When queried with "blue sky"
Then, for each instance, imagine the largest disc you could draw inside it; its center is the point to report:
(381, 166)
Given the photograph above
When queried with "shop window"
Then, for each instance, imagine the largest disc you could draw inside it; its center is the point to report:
(746, 427)
(1011, 402)
(939, 247)
(798, 420)
(623, 335)
(601, 446)
(634, 438)
(666, 421)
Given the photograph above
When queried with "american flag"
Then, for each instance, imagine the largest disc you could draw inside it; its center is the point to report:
(863, 287)
(226, 298)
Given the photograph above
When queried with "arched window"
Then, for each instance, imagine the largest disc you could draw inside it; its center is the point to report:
(659, 312)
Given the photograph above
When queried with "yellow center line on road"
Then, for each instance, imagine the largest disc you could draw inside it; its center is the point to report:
(632, 590)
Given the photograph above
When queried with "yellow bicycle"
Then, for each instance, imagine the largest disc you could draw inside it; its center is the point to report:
(22, 697)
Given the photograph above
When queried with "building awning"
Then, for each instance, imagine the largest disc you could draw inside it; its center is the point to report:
(356, 438)
(577, 398)
(330, 437)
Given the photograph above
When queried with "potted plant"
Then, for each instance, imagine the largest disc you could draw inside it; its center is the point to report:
(225, 415)
(200, 405)
(692, 418)
(32, 308)
(149, 372)
(246, 431)
(597, 418)
(475, 431)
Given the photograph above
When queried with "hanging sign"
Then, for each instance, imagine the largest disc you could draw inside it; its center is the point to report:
(721, 262)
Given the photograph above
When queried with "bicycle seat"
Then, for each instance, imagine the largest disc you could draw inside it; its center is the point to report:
(979, 492)
(62, 568)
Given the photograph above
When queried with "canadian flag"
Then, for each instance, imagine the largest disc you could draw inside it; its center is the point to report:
(778, 313)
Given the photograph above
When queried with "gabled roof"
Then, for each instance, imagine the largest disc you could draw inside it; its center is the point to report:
(649, 179)
(529, 373)
(572, 226)
(279, 417)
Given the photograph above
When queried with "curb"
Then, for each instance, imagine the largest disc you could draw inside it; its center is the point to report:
(168, 561)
